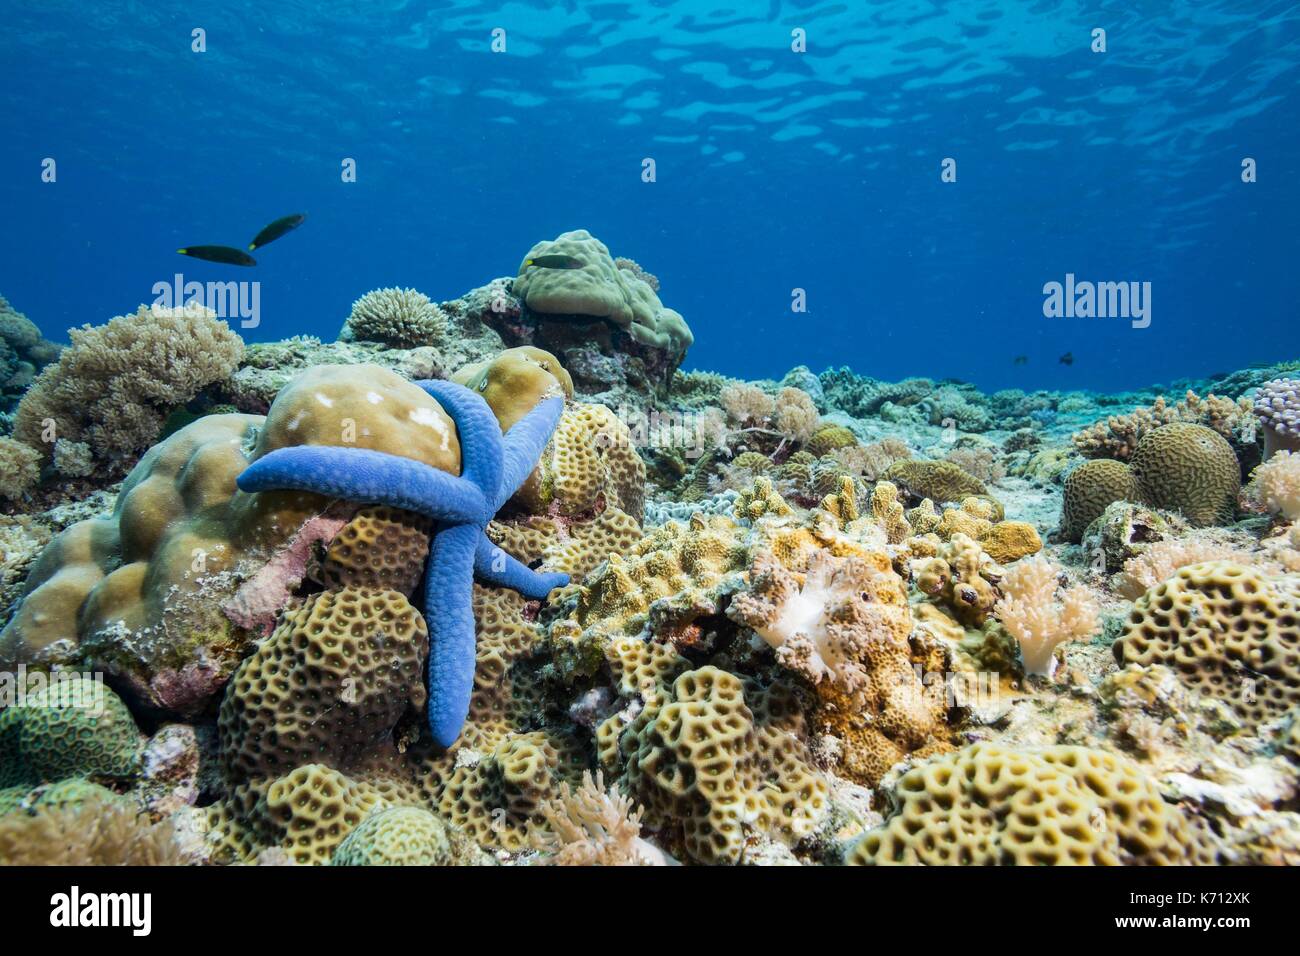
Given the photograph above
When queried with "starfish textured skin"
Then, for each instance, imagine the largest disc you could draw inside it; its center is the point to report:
(493, 467)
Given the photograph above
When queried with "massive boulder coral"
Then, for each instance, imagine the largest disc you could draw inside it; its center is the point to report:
(1118, 436)
(115, 385)
(988, 805)
(166, 593)
(593, 316)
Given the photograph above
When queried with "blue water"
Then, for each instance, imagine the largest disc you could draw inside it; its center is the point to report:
(775, 170)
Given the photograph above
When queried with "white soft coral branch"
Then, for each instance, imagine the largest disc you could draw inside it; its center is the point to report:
(1033, 615)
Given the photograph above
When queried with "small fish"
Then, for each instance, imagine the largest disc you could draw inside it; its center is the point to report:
(277, 229)
(1021, 360)
(226, 254)
(1067, 358)
(554, 262)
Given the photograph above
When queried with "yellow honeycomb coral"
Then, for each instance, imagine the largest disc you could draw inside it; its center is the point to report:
(986, 805)
(328, 685)
(702, 763)
(381, 547)
(1229, 631)
(397, 836)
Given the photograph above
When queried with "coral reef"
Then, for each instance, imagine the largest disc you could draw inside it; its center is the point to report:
(441, 593)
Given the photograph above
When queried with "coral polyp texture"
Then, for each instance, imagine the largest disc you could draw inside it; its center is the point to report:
(493, 580)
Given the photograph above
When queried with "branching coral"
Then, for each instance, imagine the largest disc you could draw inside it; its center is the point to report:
(115, 385)
(1034, 616)
(1161, 560)
(404, 318)
(1118, 436)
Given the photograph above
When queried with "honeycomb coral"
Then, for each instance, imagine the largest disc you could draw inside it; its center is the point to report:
(403, 318)
(940, 481)
(1056, 806)
(398, 836)
(313, 809)
(327, 686)
(1228, 631)
(599, 288)
(72, 727)
(380, 547)
(1190, 469)
(702, 762)
(1090, 489)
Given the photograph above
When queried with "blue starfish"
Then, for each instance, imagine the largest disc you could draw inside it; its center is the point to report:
(492, 469)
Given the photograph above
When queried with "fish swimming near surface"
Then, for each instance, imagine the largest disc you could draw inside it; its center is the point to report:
(554, 262)
(1067, 358)
(277, 229)
(1021, 360)
(226, 254)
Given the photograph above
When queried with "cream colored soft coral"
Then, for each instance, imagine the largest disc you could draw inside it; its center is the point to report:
(747, 404)
(1276, 485)
(1162, 559)
(1032, 613)
(796, 415)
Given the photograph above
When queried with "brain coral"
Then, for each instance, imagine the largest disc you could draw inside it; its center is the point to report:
(723, 774)
(327, 686)
(599, 288)
(152, 594)
(72, 727)
(1228, 631)
(403, 318)
(114, 386)
(397, 836)
(940, 481)
(381, 547)
(1188, 468)
(1089, 489)
(1057, 806)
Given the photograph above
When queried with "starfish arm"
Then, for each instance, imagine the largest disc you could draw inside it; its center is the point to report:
(480, 434)
(523, 446)
(449, 612)
(371, 477)
(492, 565)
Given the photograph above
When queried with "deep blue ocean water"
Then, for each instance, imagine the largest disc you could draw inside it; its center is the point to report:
(775, 170)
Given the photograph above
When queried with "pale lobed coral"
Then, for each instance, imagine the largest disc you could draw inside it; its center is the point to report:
(1040, 621)
(1118, 436)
